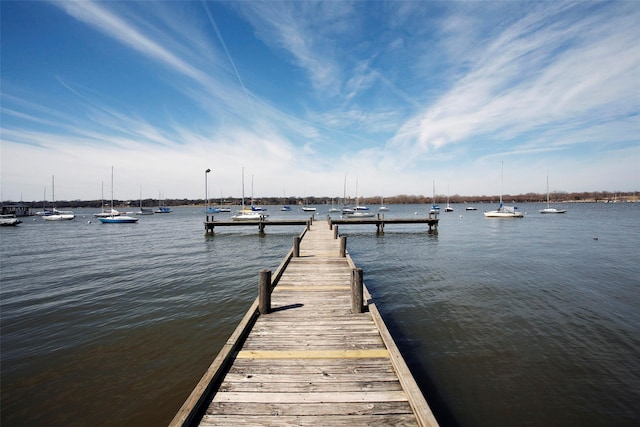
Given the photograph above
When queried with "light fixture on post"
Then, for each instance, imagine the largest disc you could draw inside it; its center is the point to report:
(206, 191)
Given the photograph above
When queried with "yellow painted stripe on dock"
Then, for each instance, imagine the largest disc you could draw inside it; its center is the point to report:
(313, 354)
(304, 288)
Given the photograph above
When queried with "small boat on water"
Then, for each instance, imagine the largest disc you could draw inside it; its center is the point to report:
(248, 214)
(470, 208)
(308, 209)
(120, 219)
(9, 220)
(116, 219)
(57, 215)
(145, 211)
(549, 209)
(382, 207)
(448, 208)
(504, 211)
(435, 209)
(285, 208)
(360, 212)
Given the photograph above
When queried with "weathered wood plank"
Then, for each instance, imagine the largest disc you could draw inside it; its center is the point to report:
(309, 409)
(330, 397)
(395, 420)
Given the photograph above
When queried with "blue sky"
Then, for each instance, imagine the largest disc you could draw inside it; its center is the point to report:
(396, 95)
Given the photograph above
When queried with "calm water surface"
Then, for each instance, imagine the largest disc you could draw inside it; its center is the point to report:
(504, 322)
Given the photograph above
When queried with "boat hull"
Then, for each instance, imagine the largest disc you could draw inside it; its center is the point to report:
(501, 214)
(59, 217)
(121, 219)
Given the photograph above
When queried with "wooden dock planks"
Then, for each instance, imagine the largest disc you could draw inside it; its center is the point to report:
(311, 361)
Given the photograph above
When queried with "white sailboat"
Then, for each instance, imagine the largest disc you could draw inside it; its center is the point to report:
(116, 219)
(105, 212)
(359, 211)
(549, 209)
(382, 207)
(306, 207)
(247, 214)
(448, 208)
(346, 209)
(435, 209)
(504, 211)
(56, 214)
(333, 207)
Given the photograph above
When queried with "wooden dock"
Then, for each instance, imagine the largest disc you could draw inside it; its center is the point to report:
(379, 221)
(312, 350)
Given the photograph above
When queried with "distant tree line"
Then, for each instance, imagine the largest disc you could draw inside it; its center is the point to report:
(556, 197)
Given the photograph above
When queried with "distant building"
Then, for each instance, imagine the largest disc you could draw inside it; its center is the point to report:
(18, 209)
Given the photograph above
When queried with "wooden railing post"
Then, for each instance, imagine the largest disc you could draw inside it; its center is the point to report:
(264, 294)
(335, 231)
(296, 246)
(343, 246)
(356, 290)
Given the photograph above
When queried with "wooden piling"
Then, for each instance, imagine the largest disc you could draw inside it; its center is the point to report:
(264, 293)
(296, 246)
(356, 290)
(343, 246)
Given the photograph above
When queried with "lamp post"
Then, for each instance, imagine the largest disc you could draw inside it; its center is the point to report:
(206, 192)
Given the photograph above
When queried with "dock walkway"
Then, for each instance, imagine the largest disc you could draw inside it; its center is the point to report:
(310, 361)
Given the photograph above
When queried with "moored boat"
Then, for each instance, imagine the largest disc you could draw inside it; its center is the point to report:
(246, 214)
(116, 219)
(504, 211)
(57, 215)
(549, 209)
(9, 220)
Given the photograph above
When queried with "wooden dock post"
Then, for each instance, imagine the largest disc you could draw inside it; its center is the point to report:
(380, 224)
(264, 294)
(356, 290)
(296, 247)
(335, 231)
(343, 246)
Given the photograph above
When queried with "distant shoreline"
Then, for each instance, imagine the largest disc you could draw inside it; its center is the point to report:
(556, 198)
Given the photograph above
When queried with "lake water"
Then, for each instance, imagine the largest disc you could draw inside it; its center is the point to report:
(504, 322)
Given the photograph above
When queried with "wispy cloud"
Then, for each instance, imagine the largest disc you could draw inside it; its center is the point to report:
(548, 69)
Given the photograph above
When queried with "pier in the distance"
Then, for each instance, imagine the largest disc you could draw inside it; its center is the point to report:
(378, 220)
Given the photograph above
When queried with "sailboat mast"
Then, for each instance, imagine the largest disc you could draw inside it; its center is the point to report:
(243, 189)
(111, 190)
(344, 194)
(547, 189)
(501, 179)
